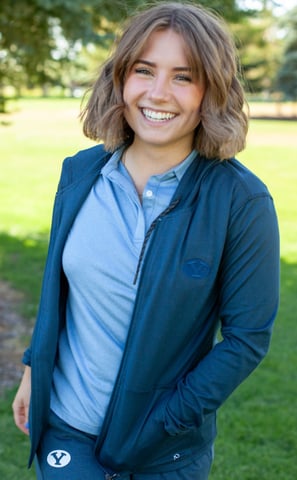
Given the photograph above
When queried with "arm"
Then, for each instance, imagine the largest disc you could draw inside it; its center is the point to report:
(21, 402)
(248, 301)
(22, 399)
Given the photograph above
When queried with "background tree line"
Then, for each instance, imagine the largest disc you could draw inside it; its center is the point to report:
(58, 43)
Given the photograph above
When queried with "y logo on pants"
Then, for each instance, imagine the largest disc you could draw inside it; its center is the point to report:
(58, 458)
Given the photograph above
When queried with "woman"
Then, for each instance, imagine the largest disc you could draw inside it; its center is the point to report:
(158, 238)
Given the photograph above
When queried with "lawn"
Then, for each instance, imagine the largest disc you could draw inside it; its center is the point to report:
(257, 426)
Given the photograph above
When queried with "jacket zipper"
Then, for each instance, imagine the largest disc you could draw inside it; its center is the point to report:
(148, 234)
(131, 328)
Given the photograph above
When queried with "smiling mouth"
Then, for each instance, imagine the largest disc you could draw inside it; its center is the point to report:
(157, 116)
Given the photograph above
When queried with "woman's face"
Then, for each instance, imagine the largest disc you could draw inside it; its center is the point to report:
(162, 99)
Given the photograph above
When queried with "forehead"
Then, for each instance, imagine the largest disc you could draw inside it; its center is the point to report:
(150, 43)
(166, 43)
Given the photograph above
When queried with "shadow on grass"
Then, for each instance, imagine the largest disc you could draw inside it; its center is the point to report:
(256, 438)
(21, 265)
(15, 446)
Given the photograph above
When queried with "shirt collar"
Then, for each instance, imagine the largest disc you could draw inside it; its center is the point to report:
(113, 162)
(178, 170)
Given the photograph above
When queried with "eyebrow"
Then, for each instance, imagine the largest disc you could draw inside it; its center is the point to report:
(153, 65)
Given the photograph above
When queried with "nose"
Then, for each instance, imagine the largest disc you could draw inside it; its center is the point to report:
(159, 89)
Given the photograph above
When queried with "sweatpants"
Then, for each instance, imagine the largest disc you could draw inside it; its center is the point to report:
(68, 454)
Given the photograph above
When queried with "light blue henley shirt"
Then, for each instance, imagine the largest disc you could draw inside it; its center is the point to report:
(100, 260)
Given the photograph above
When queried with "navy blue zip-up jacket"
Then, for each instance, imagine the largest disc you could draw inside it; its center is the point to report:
(212, 260)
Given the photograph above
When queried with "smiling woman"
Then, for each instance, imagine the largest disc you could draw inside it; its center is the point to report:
(162, 106)
(207, 51)
(159, 237)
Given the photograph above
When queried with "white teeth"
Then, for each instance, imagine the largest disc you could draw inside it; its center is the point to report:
(157, 116)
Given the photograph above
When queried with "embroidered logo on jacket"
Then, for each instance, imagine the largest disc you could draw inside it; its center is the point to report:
(196, 268)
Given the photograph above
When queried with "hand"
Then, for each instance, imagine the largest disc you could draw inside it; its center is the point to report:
(21, 402)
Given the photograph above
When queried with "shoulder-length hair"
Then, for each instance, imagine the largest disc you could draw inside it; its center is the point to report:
(212, 57)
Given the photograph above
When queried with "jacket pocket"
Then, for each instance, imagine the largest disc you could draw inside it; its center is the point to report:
(136, 439)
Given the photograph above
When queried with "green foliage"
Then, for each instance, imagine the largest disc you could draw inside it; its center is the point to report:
(47, 42)
(39, 38)
(259, 49)
(51, 43)
(286, 80)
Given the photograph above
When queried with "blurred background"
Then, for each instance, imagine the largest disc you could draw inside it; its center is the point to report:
(50, 47)
(50, 52)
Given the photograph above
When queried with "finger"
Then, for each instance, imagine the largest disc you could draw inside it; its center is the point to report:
(21, 419)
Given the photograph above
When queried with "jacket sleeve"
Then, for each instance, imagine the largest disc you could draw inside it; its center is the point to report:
(65, 178)
(248, 302)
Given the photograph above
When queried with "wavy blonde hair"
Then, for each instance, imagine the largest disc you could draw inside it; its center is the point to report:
(210, 51)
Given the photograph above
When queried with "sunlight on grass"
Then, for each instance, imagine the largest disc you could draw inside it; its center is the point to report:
(272, 154)
(33, 146)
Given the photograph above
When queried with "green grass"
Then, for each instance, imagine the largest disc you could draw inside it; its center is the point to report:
(257, 429)
(34, 141)
(14, 446)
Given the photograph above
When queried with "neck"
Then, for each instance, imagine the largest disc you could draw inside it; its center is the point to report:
(154, 161)
(142, 164)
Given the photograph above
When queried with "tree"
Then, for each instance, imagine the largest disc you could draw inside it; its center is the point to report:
(38, 38)
(259, 49)
(286, 79)
(33, 30)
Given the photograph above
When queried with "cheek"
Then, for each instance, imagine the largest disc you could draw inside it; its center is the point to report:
(126, 90)
(125, 93)
(134, 88)
(130, 90)
(196, 97)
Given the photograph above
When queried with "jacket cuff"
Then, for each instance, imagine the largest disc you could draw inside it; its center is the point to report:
(27, 357)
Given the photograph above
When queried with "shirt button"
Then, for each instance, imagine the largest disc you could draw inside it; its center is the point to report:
(149, 193)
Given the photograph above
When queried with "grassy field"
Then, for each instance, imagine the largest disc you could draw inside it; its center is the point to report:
(257, 426)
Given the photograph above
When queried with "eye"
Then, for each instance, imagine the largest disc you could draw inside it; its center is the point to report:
(143, 71)
(181, 77)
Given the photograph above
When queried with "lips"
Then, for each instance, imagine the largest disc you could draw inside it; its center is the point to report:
(156, 116)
